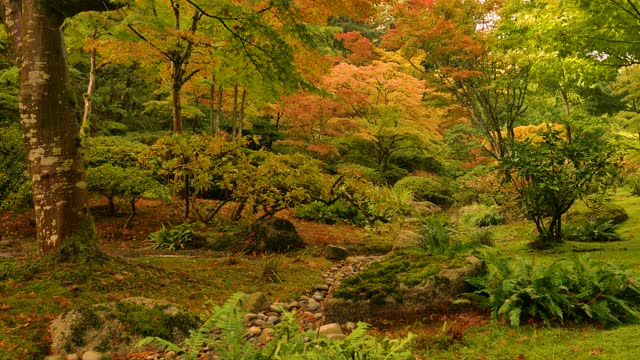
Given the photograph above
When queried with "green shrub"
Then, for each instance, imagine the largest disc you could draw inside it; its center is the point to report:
(15, 186)
(571, 290)
(427, 188)
(116, 150)
(481, 215)
(176, 238)
(117, 183)
(601, 230)
(337, 212)
(633, 183)
(113, 128)
(436, 237)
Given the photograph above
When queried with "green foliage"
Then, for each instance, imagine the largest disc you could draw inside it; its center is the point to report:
(572, 290)
(116, 150)
(551, 173)
(633, 183)
(176, 238)
(113, 128)
(224, 332)
(482, 215)
(15, 187)
(435, 236)
(483, 236)
(427, 188)
(337, 212)
(601, 230)
(129, 183)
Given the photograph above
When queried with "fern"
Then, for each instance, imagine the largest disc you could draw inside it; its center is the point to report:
(579, 289)
(288, 342)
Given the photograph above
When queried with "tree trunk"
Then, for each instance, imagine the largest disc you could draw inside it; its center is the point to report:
(243, 102)
(212, 105)
(234, 113)
(88, 96)
(176, 90)
(49, 124)
(219, 112)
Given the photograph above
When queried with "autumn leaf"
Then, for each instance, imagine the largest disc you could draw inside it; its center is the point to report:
(4, 307)
(596, 351)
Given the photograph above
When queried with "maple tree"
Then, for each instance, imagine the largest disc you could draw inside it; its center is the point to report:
(49, 125)
(449, 41)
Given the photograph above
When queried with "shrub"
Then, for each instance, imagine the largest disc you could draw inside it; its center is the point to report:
(179, 237)
(113, 128)
(427, 188)
(339, 211)
(633, 183)
(482, 215)
(115, 150)
(15, 187)
(436, 238)
(117, 183)
(601, 230)
(576, 290)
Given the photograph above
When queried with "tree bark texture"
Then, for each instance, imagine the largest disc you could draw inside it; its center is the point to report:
(88, 96)
(48, 121)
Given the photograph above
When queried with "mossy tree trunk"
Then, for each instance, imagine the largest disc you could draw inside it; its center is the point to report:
(48, 118)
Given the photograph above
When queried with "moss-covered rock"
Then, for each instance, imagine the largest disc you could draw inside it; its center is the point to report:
(116, 327)
(404, 282)
(583, 214)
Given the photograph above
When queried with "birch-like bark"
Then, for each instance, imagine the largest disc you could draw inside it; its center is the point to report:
(88, 96)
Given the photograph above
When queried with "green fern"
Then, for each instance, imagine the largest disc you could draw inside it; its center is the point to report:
(579, 289)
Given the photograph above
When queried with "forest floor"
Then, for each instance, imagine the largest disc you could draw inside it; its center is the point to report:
(31, 294)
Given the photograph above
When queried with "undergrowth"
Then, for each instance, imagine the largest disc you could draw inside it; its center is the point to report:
(573, 290)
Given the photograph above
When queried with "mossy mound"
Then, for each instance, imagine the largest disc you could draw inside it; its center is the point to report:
(382, 279)
(116, 327)
(582, 214)
(403, 283)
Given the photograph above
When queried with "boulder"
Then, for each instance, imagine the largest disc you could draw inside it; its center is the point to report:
(116, 327)
(255, 303)
(333, 252)
(431, 295)
(276, 235)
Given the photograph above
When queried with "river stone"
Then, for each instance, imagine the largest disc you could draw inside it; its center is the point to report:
(330, 329)
(276, 235)
(333, 252)
(94, 355)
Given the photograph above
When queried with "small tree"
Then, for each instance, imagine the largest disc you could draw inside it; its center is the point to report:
(550, 173)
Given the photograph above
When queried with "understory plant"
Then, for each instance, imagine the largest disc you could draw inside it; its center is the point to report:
(574, 290)
(601, 230)
(224, 332)
(175, 238)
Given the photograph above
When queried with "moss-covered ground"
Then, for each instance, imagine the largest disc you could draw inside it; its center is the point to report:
(32, 293)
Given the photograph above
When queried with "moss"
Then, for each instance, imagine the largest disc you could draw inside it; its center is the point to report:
(89, 320)
(382, 279)
(81, 247)
(155, 321)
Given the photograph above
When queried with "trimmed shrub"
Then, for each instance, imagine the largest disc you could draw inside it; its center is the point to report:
(427, 188)
(116, 150)
(604, 211)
